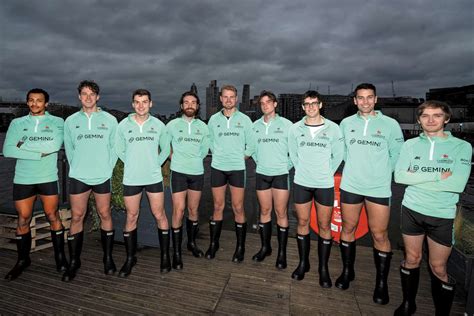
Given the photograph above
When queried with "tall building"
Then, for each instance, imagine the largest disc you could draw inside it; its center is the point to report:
(194, 88)
(212, 99)
(245, 102)
(290, 106)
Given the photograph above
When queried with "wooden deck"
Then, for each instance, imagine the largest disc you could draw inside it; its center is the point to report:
(203, 287)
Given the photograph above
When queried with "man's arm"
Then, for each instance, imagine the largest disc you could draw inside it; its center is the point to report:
(13, 143)
(395, 144)
(457, 180)
(337, 146)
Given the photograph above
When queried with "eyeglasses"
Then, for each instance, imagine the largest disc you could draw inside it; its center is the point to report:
(313, 104)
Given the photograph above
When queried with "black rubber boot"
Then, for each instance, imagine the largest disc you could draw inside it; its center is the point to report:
(240, 233)
(74, 243)
(410, 279)
(324, 251)
(382, 264)
(265, 238)
(130, 241)
(177, 240)
(348, 251)
(57, 237)
(215, 228)
(282, 242)
(164, 238)
(107, 239)
(443, 294)
(192, 229)
(303, 251)
(23, 246)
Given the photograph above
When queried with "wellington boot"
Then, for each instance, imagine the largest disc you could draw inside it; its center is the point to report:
(303, 251)
(240, 233)
(215, 228)
(265, 238)
(177, 240)
(443, 294)
(74, 243)
(282, 234)
(23, 246)
(164, 239)
(192, 229)
(410, 279)
(348, 251)
(57, 238)
(382, 264)
(130, 241)
(107, 239)
(324, 251)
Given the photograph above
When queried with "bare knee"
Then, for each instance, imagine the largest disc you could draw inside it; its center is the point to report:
(439, 270)
(380, 237)
(412, 259)
(324, 227)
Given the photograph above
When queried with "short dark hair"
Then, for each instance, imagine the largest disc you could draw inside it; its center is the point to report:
(313, 94)
(38, 90)
(365, 86)
(89, 84)
(267, 93)
(141, 92)
(433, 104)
(192, 94)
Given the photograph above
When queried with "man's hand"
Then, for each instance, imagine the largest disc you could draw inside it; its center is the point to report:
(446, 174)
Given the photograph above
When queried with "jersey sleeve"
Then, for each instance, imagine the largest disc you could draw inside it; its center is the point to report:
(292, 147)
(68, 143)
(113, 155)
(10, 148)
(120, 144)
(249, 139)
(460, 173)
(205, 144)
(211, 134)
(165, 146)
(404, 172)
(337, 149)
(395, 144)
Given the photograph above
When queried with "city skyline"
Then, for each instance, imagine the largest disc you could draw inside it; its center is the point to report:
(286, 47)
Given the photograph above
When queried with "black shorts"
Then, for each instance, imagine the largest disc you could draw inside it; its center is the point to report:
(181, 182)
(78, 187)
(353, 198)
(235, 178)
(130, 190)
(263, 182)
(24, 191)
(440, 230)
(302, 194)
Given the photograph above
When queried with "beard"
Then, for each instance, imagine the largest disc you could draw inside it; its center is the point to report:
(189, 112)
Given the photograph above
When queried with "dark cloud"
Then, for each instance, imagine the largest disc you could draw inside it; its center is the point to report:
(279, 45)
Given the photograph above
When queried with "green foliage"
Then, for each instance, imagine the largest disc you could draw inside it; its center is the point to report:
(117, 202)
(464, 234)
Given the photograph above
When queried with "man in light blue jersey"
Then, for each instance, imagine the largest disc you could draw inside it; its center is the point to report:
(373, 143)
(142, 143)
(316, 149)
(231, 143)
(34, 141)
(272, 182)
(89, 141)
(190, 145)
(436, 167)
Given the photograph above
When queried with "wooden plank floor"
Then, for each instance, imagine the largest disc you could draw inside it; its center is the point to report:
(204, 286)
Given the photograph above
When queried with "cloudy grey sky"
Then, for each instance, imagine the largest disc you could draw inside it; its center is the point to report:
(281, 45)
